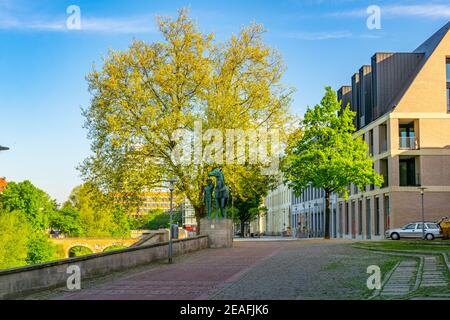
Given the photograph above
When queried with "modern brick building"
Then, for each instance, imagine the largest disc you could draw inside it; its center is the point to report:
(402, 101)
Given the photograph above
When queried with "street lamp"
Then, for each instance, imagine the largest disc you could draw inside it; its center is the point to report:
(171, 188)
(422, 192)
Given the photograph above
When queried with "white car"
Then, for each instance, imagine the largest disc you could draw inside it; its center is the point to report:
(414, 230)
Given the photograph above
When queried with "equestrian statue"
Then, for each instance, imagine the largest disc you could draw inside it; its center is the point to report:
(221, 195)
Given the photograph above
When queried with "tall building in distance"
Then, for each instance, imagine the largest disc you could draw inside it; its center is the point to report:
(158, 198)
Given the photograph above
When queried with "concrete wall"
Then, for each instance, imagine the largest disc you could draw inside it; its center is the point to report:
(19, 281)
(219, 232)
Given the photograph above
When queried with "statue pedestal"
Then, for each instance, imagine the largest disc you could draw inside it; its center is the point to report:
(219, 232)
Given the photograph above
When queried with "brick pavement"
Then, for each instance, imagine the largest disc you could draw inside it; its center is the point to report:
(249, 270)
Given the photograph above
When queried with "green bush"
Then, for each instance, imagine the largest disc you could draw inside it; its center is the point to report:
(40, 249)
(114, 248)
(161, 220)
(79, 251)
(14, 233)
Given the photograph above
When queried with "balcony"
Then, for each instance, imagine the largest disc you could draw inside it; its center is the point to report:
(408, 143)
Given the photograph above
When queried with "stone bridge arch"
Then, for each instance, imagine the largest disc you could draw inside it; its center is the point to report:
(95, 245)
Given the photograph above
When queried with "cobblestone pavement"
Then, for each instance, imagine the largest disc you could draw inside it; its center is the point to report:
(305, 269)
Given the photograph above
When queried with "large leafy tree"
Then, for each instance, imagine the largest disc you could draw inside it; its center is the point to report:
(68, 221)
(325, 154)
(92, 213)
(32, 201)
(142, 95)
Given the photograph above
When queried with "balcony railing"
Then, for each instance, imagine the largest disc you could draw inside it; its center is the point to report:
(408, 143)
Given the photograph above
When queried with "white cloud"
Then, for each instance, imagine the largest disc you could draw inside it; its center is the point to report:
(420, 10)
(11, 19)
(426, 10)
(318, 35)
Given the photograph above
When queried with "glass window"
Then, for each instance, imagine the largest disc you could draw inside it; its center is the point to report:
(410, 226)
(432, 226)
(448, 83)
(448, 69)
(448, 96)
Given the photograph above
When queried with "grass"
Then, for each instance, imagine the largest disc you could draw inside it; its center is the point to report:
(412, 247)
(350, 273)
(408, 245)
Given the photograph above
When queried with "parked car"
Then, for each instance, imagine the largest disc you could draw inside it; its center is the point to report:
(414, 230)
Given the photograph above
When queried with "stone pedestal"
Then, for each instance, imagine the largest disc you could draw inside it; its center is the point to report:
(219, 232)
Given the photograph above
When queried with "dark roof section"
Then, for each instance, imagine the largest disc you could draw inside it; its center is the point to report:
(392, 75)
(430, 45)
(3, 148)
(427, 48)
(377, 89)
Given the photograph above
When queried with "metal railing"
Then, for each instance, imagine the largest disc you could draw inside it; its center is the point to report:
(408, 143)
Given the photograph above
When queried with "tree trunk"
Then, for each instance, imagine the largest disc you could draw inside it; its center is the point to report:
(198, 217)
(327, 214)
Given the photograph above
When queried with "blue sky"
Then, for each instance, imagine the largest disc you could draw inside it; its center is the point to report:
(43, 65)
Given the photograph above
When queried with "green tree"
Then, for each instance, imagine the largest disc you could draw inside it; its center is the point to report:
(68, 221)
(95, 213)
(160, 219)
(92, 213)
(143, 95)
(40, 249)
(120, 226)
(79, 251)
(33, 202)
(325, 154)
(247, 203)
(14, 233)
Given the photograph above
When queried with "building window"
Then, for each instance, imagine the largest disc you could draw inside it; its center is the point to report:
(407, 137)
(448, 83)
(409, 177)
(368, 219)
(448, 96)
(346, 218)
(360, 218)
(377, 216)
(387, 218)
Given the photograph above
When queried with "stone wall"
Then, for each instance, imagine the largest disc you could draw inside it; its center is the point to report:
(20, 281)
